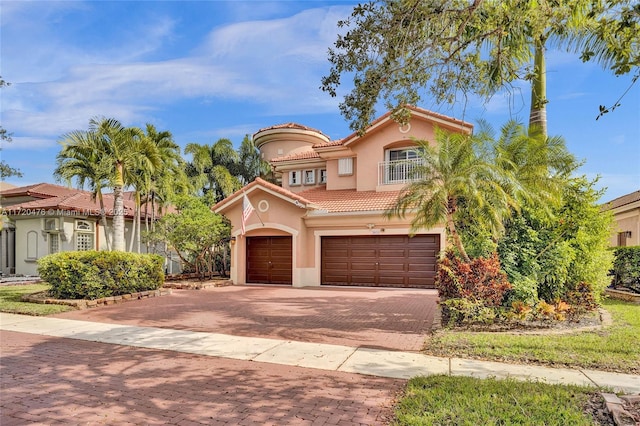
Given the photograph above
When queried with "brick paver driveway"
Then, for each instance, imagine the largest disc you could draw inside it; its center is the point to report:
(49, 380)
(377, 318)
(55, 381)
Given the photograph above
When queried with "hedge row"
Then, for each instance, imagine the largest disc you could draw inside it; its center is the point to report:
(626, 268)
(96, 274)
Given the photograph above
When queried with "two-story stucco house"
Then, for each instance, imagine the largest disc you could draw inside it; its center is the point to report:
(324, 224)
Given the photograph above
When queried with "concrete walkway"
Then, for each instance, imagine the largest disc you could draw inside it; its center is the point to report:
(373, 362)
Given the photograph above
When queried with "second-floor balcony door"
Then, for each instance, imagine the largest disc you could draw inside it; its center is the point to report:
(400, 166)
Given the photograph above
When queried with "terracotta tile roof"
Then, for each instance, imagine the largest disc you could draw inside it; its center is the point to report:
(297, 156)
(350, 200)
(57, 197)
(267, 185)
(79, 202)
(330, 143)
(621, 201)
(386, 116)
(39, 190)
(290, 126)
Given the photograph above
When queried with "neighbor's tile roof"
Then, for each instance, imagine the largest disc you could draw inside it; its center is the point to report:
(57, 197)
(297, 156)
(39, 190)
(79, 202)
(624, 200)
(350, 200)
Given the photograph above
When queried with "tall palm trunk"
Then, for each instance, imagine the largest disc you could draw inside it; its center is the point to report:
(146, 219)
(538, 112)
(118, 211)
(103, 217)
(453, 232)
(135, 229)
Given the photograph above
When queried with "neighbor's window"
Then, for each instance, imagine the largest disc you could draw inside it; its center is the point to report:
(622, 239)
(32, 245)
(54, 243)
(309, 177)
(84, 235)
(294, 177)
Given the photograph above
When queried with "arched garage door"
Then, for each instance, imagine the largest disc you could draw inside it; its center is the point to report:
(380, 260)
(269, 260)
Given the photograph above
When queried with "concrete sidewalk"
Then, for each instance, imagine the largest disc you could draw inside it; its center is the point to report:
(374, 362)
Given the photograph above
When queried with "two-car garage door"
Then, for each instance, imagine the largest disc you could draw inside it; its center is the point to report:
(380, 261)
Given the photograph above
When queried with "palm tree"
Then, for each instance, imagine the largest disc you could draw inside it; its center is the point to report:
(212, 168)
(250, 163)
(454, 171)
(399, 51)
(127, 151)
(541, 165)
(167, 180)
(79, 159)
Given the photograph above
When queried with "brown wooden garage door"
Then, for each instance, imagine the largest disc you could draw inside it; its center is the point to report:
(269, 260)
(380, 261)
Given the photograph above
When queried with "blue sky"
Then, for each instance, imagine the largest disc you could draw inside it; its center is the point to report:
(206, 70)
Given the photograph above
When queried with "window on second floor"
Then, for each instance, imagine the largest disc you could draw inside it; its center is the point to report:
(294, 177)
(400, 165)
(323, 176)
(345, 166)
(309, 177)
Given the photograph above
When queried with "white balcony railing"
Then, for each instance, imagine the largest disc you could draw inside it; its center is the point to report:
(399, 171)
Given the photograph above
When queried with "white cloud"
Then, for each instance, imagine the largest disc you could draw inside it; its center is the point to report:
(276, 63)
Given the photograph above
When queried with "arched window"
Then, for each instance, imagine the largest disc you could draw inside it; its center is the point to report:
(85, 235)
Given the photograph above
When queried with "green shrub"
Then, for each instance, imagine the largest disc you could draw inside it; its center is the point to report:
(626, 268)
(525, 290)
(95, 274)
(467, 312)
(563, 250)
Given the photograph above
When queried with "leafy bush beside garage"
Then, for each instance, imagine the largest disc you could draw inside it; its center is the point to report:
(96, 274)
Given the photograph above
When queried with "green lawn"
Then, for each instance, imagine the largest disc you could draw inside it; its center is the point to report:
(614, 348)
(445, 400)
(10, 300)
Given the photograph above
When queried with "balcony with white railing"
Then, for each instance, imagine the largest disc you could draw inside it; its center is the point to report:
(399, 171)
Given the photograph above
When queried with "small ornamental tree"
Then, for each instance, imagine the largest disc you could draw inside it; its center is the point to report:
(196, 234)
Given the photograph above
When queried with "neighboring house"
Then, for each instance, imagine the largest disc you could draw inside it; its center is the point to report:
(44, 218)
(325, 223)
(626, 213)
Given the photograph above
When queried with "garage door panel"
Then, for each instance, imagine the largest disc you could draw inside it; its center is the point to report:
(395, 261)
(363, 279)
(362, 266)
(391, 267)
(269, 260)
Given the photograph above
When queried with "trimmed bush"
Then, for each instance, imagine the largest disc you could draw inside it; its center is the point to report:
(626, 268)
(96, 274)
